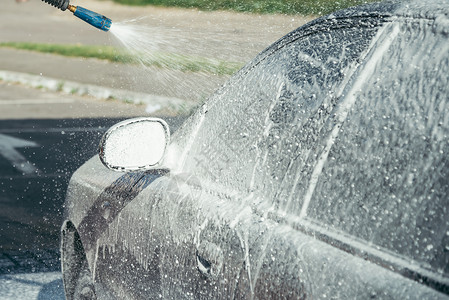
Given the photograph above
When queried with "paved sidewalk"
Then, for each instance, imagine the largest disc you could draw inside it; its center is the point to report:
(222, 35)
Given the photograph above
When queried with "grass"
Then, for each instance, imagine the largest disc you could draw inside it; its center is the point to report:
(100, 52)
(163, 60)
(302, 7)
(60, 86)
(191, 64)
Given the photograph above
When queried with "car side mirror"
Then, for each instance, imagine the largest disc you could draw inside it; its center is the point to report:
(134, 144)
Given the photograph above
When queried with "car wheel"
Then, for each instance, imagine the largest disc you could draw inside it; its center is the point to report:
(78, 283)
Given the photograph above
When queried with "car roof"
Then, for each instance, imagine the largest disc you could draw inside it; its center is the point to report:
(410, 8)
(368, 15)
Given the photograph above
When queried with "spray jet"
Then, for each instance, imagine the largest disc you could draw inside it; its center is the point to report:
(93, 18)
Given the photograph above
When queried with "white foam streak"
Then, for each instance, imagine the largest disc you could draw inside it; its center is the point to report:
(380, 46)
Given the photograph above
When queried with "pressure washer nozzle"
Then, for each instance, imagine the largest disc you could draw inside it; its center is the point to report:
(93, 18)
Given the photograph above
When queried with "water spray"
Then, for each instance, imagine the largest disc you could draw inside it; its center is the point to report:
(93, 18)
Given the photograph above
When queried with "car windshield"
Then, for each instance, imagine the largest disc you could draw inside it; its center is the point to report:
(357, 148)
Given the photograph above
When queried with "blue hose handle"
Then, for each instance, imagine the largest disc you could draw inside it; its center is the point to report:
(99, 21)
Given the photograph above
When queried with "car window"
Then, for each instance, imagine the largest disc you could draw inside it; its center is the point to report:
(259, 132)
(386, 177)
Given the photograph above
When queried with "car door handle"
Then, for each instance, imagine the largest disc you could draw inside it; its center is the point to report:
(209, 257)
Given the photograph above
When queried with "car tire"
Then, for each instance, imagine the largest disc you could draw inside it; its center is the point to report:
(77, 278)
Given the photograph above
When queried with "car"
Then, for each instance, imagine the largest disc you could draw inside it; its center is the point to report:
(319, 170)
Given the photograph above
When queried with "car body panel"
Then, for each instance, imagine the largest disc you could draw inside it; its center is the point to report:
(257, 198)
(284, 262)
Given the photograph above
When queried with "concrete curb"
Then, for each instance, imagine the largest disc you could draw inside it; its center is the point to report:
(154, 102)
